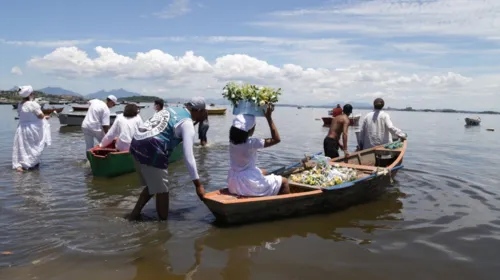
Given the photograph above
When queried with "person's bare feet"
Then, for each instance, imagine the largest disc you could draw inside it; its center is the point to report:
(19, 169)
(132, 218)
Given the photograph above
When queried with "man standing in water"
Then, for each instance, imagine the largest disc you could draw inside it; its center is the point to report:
(97, 120)
(338, 127)
(376, 128)
(202, 129)
(152, 146)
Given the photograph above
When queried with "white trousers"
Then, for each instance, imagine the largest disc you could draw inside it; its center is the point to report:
(90, 135)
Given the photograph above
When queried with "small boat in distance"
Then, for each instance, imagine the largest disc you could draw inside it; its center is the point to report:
(49, 111)
(80, 108)
(216, 111)
(353, 121)
(76, 119)
(473, 121)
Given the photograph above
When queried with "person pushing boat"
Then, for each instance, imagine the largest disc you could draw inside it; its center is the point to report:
(123, 129)
(152, 146)
(377, 127)
(244, 178)
(338, 128)
(97, 120)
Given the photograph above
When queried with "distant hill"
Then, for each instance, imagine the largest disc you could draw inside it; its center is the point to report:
(119, 93)
(59, 91)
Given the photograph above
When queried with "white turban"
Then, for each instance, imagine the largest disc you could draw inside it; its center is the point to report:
(244, 122)
(25, 91)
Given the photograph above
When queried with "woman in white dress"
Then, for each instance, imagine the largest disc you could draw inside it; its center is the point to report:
(32, 134)
(244, 178)
(123, 128)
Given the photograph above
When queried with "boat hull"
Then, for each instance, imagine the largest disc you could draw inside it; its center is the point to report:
(76, 119)
(51, 110)
(353, 121)
(108, 163)
(231, 209)
(80, 108)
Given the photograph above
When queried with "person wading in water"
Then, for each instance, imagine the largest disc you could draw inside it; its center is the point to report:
(338, 128)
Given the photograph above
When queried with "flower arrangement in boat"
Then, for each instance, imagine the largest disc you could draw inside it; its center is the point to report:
(325, 175)
(251, 93)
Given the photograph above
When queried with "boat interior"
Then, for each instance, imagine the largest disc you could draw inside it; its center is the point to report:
(365, 163)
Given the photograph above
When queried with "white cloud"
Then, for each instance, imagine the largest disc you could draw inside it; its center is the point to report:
(387, 18)
(176, 8)
(16, 71)
(189, 74)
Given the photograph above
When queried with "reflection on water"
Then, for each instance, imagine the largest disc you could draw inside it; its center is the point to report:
(440, 221)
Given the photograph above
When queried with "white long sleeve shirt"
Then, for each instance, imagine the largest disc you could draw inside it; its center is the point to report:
(124, 129)
(185, 130)
(376, 129)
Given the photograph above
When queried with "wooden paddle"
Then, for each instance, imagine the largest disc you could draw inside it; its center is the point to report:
(282, 170)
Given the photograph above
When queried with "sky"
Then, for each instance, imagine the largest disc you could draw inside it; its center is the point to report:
(419, 53)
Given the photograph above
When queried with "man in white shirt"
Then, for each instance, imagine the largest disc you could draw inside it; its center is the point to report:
(376, 128)
(97, 121)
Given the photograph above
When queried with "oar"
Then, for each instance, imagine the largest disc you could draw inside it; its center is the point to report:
(282, 170)
(352, 183)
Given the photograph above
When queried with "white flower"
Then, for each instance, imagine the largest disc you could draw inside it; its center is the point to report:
(262, 103)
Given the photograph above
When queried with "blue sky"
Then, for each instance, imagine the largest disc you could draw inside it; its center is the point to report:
(442, 52)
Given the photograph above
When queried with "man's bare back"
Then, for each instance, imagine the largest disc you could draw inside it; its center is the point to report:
(337, 126)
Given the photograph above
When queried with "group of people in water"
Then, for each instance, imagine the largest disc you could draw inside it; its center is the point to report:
(151, 143)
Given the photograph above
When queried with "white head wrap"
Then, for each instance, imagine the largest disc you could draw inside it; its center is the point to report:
(25, 91)
(244, 122)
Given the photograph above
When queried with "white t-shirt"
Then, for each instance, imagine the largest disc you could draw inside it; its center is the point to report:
(376, 129)
(97, 116)
(123, 128)
(243, 156)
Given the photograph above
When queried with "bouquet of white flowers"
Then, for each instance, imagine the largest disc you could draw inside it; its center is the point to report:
(251, 93)
(325, 176)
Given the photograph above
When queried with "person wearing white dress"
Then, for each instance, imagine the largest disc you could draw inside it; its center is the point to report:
(97, 120)
(32, 134)
(244, 178)
(123, 128)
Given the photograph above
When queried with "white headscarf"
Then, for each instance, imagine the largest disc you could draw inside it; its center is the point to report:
(244, 122)
(25, 91)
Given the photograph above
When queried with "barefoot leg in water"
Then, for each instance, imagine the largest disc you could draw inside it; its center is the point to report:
(141, 202)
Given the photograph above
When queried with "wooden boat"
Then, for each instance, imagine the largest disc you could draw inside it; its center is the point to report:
(216, 111)
(80, 108)
(353, 121)
(76, 119)
(305, 199)
(51, 110)
(473, 121)
(109, 162)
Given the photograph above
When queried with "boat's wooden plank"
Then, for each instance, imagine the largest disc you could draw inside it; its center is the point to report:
(355, 166)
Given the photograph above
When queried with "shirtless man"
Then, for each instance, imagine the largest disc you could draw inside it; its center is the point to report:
(338, 127)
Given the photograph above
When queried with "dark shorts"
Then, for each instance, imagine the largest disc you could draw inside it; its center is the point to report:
(331, 147)
(202, 131)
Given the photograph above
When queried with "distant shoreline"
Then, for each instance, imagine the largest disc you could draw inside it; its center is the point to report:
(10, 97)
(403, 110)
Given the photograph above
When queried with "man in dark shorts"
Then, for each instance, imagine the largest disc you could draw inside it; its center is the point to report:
(202, 129)
(338, 128)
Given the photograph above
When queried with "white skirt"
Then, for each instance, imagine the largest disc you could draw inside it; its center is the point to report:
(29, 142)
(252, 182)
